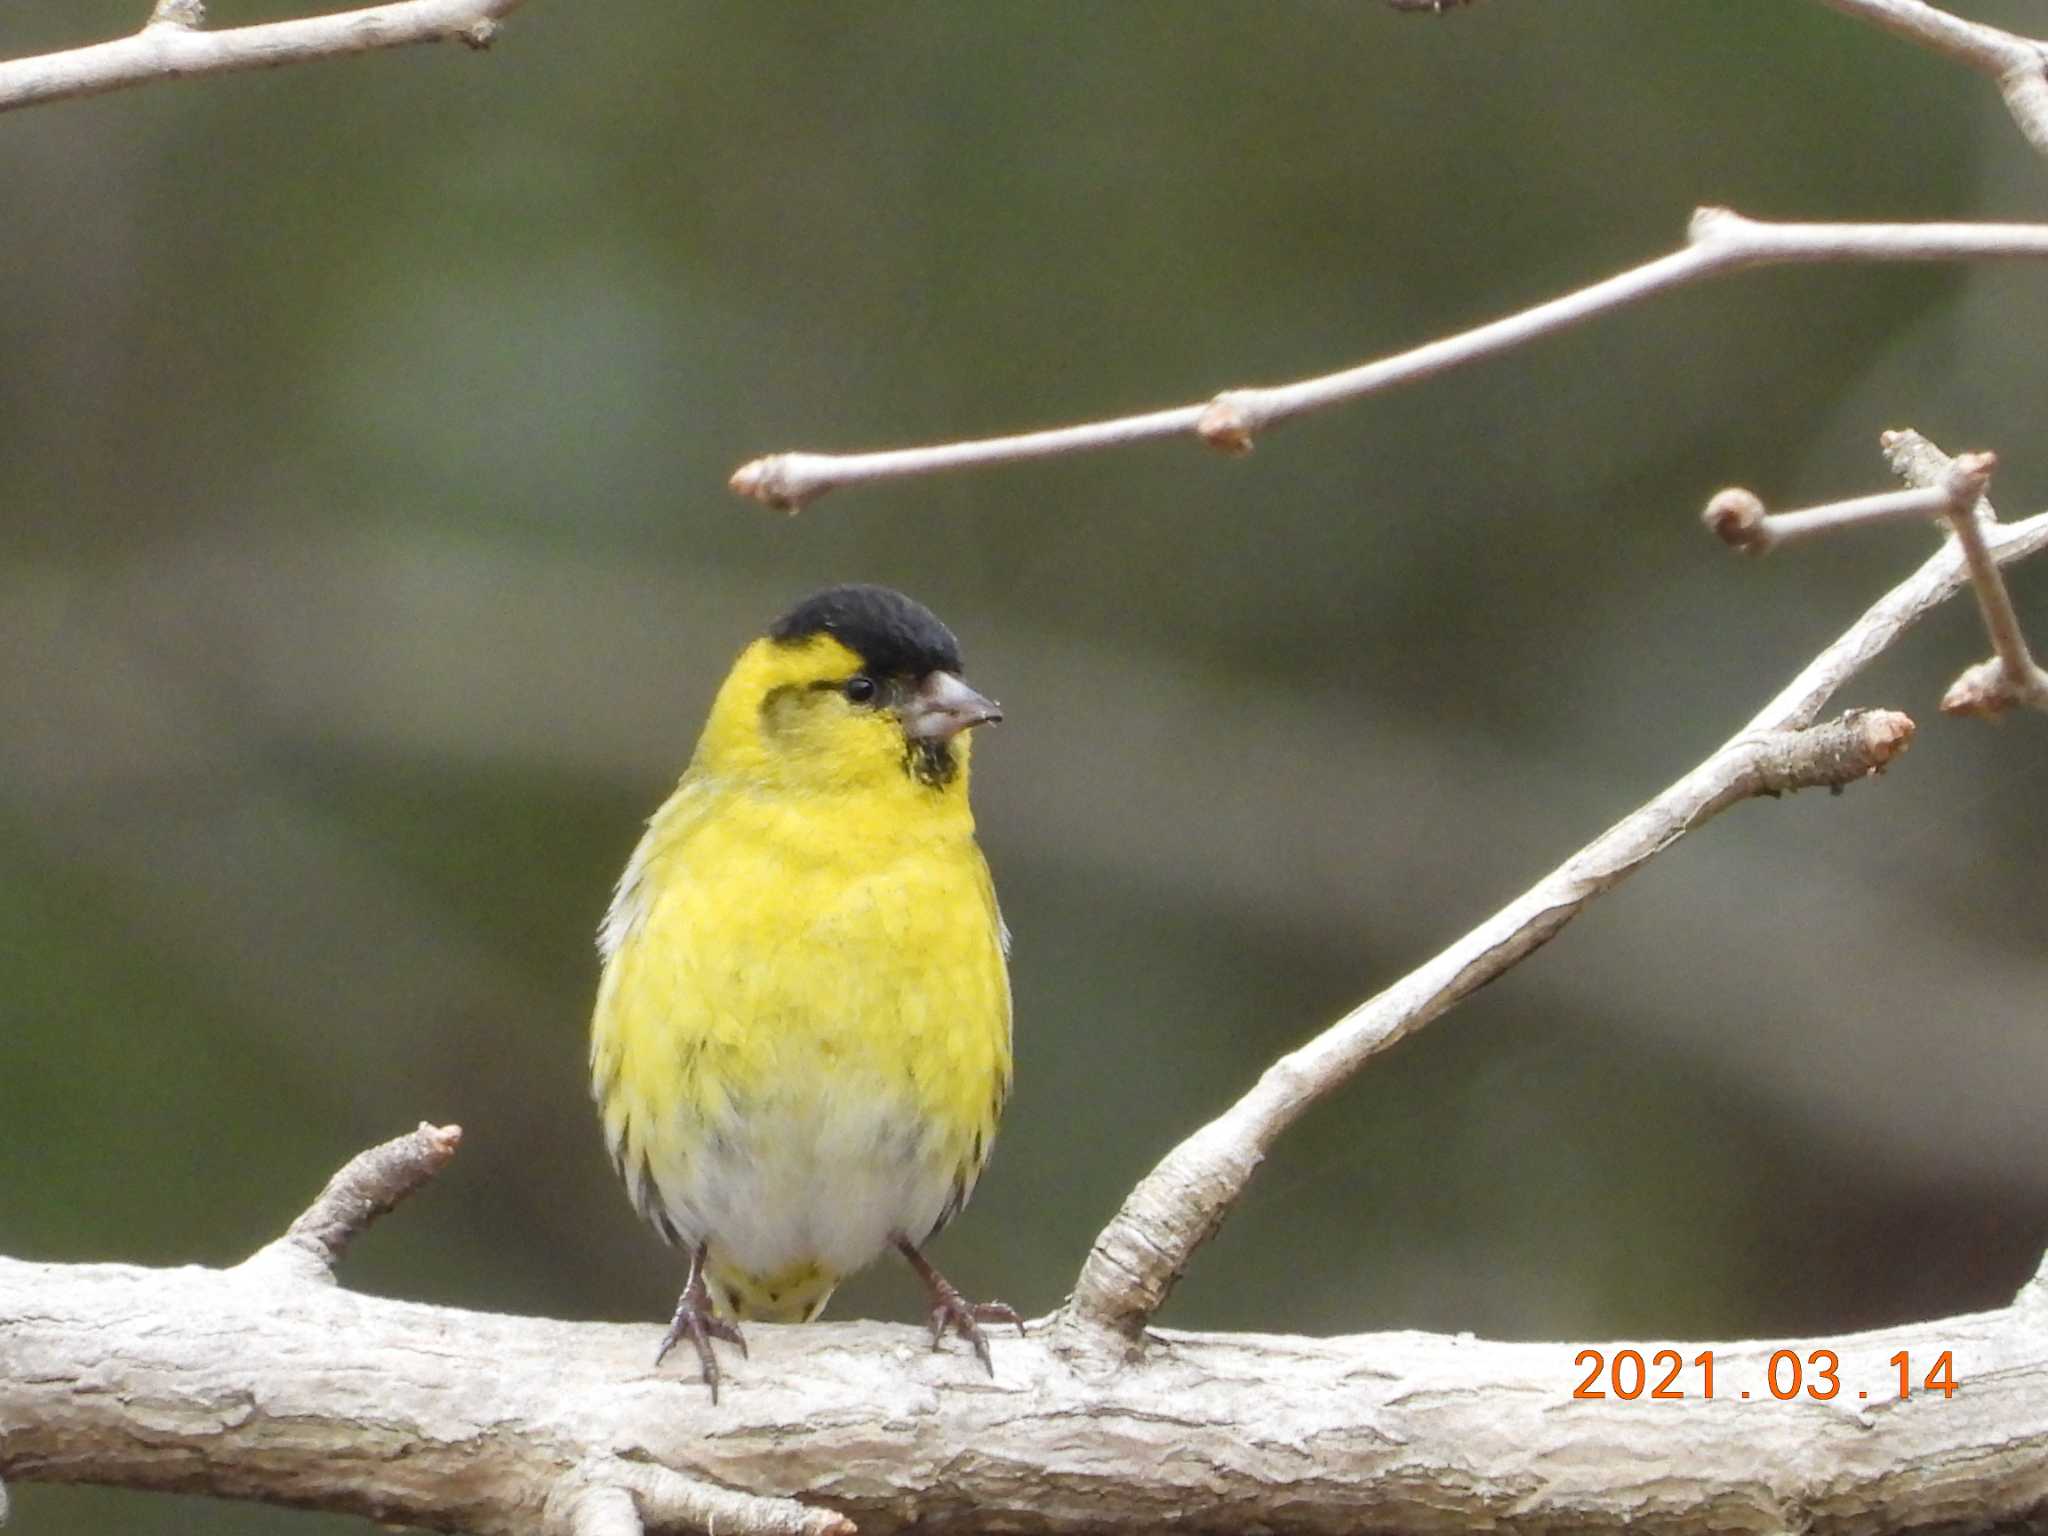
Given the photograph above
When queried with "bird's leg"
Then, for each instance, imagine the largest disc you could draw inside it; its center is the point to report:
(698, 1321)
(952, 1310)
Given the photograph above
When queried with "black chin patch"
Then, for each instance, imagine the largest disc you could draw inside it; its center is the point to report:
(932, 763)
(893, 636)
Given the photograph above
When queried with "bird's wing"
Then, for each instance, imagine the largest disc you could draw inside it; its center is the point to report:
(627, 1048)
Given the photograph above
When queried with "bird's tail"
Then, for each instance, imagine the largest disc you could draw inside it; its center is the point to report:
(795, 1295)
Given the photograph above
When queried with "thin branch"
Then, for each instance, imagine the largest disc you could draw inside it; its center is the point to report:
(788, 481)
(2014, 63)
(171, 46)
(1178, 1206)
(1953, 490)
(1740, 520)
(1718, 241)
(368, 1186)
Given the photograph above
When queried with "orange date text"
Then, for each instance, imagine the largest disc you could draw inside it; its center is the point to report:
(1666, 1375)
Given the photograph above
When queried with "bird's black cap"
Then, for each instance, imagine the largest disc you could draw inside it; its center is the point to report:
(894, 636)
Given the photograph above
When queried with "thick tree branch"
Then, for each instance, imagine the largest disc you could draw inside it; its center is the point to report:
(297, 1393)
(2017, 65)
(1178, 1206)
(172, 46)
(1717, 242)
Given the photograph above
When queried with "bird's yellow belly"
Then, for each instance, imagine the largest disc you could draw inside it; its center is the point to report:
(801, 1060)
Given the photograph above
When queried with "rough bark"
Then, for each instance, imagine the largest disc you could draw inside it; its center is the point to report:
(255, 1383)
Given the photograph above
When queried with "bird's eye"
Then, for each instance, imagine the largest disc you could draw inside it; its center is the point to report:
(860, 689)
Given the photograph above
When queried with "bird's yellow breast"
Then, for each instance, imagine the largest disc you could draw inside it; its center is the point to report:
(802, 1038)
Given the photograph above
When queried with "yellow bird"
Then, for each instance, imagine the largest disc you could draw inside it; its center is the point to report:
(801, 1044)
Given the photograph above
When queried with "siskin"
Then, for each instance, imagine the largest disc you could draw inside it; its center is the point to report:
(801, 1044)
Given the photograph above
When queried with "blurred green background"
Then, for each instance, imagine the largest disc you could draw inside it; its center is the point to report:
(366, 567)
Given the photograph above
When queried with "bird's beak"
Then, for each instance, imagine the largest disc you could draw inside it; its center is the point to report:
(943, 706)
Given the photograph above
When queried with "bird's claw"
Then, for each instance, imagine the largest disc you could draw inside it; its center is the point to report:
(953, 1311)
(698, 1321)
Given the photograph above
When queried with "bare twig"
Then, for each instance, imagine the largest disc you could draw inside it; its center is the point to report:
(1717, 241)
(1941, 487)
(368, 1186)
(1950, 489)
(1739, 518)
(1141, 1253)
(2013, 63)
(172, 46)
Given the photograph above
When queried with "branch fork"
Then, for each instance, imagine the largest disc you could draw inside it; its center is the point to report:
(2017, 65)
(488, 1488)
(1951, 490)
(369, 1185)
